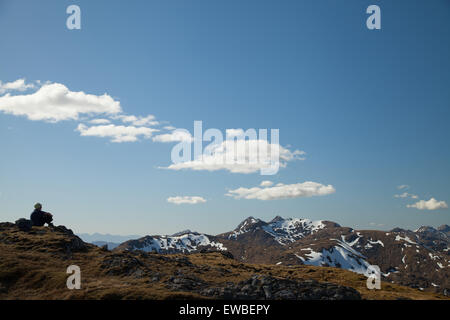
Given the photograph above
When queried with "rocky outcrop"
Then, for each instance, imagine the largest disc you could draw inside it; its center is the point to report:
(270, 288)
(24, 224)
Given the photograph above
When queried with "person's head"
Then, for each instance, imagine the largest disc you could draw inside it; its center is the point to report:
(38, 206)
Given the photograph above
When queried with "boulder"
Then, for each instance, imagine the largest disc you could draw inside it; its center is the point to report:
(24, 224)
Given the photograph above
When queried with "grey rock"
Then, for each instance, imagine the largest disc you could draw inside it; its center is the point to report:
(24, 224)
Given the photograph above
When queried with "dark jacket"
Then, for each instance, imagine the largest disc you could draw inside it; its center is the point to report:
(40, 218)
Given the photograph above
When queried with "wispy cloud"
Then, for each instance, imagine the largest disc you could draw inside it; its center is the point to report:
(178, 135)
(283, 191)
(266, 183)
(17, 85)
(116, 133)
(374, 224)
(186, 200)
(138, 120)
(406, 195)
(100, 121)
(403, 187)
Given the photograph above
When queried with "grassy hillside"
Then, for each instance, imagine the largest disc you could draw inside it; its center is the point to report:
(33, 266)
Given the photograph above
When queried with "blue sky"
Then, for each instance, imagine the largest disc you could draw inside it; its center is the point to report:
(369, 107)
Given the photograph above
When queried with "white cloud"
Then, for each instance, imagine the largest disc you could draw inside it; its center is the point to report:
(406, 195)
(138, 121)
(431, 204)
(376, 224)
(240, 156)
(174, 136)
(231, 133)
(403, 186)
(283, 191)
(116, 133)
(100, 121)
(18, 85)
(186, 200)
(55, 102)
(266, 183)
(170, 128)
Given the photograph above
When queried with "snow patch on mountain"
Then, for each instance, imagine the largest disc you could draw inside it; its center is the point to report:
(185, 243)
(406, 238)
(342, 255)
(339, 257)
(352, 243)
(290, 230)
(433, 257)
(376, 242)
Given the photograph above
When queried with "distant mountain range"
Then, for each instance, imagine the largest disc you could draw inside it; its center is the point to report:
(418, 259)
(109, 245)
(98, 237)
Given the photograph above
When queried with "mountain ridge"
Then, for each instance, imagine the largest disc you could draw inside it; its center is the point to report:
(419, 259)
(33, 265)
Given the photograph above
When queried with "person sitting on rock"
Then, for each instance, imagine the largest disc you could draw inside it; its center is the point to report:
(39, 217)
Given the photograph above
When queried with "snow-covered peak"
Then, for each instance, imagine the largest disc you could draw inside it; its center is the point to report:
(295, 224)
(186, 242)
(247, 223)
(283, 230)
(291, 229)
(424, 229)
(245, 226)
(180, 233)
(276, 219)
